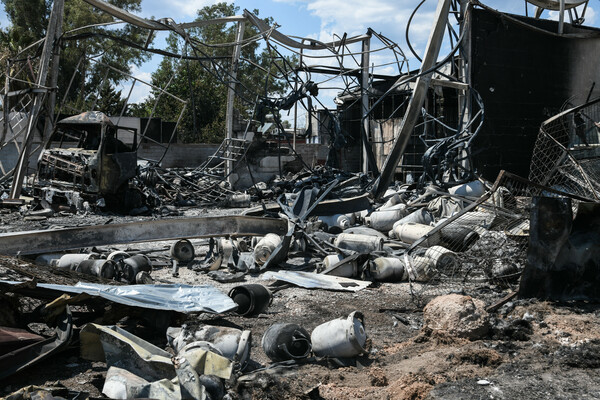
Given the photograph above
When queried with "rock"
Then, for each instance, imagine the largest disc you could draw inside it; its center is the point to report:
(457, 315)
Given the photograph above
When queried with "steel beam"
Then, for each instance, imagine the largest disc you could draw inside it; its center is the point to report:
(49, 241)
(53, 33)
(364, 102)
(235, 58)
(416, 101)
(561, 17)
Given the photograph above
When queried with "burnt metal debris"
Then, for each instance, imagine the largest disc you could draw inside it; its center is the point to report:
(410, 189)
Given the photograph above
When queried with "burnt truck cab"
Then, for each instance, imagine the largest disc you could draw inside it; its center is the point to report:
(84, 154)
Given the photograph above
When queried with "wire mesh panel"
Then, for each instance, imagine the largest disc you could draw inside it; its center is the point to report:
(567, 151)
(482, 247)
(17, 100)
(483, 244)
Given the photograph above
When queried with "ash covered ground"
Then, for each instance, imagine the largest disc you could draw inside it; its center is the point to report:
(533, 349)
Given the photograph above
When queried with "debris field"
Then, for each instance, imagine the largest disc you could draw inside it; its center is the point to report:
(437, 267)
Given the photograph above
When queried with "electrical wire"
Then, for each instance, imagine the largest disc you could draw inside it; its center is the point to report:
(412, 50)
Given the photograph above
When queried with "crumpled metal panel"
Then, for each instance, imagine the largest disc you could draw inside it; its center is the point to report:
(17, 360)
(311, 280)
(117, 169)
(15, 338)
(180, 298)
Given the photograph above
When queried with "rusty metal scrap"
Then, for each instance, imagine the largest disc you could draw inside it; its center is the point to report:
(13, 362)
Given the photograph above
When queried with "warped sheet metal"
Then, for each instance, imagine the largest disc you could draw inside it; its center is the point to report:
(17, 360)
(120, 348)
(311, 280)
(125, 350)
(174, 297)
(325, 207)
(265, 29)
(14, 338)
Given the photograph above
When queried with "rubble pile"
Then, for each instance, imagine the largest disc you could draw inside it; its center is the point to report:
(337, 239)
(253, 274)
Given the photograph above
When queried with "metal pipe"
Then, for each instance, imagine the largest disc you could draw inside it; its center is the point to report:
(561, 17)
(364, 100)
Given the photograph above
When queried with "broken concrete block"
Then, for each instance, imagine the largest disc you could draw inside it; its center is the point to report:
(458, 315)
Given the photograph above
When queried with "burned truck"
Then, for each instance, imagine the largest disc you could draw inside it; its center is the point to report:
(85, 160)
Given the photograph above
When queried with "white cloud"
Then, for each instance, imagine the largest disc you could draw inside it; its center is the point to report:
(388, 17)
(140, 91)
(590, 15)
(189, 8)
(553, 15)
(179, 10)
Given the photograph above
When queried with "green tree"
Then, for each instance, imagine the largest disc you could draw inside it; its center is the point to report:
(204, 83)
(110, 100)
(28, 23)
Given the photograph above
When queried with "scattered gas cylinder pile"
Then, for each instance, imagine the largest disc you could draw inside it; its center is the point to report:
(324, 232)
(195, 360)
(202, 359)
(426, 235)
(116, 265)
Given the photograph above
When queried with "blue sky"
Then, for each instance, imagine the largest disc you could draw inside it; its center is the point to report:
(322, 19)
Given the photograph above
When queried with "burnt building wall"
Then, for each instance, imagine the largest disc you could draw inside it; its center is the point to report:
(524, 76)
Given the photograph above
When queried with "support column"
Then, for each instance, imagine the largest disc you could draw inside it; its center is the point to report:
(464, 96)
(51, 103)
(364, 101)
(416, 101)
(231, 94)
(561, 17)
(296, 103)
(53, 33)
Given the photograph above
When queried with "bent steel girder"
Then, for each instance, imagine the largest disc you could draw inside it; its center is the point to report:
(48, 241)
